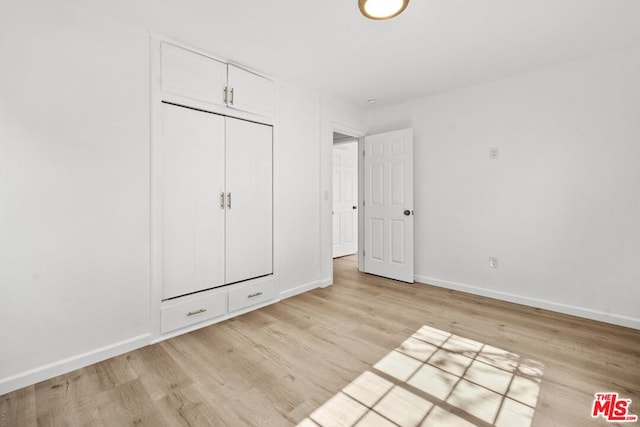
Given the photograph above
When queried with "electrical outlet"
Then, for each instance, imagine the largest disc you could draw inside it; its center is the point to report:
(494, 153)
(493, 262)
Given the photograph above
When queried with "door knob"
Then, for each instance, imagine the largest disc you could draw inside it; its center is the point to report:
(407, 212)
(355, 207)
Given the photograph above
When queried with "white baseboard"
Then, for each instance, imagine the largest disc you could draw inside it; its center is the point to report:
(69, 364)
(586, 313)
(326, 282)
(300, 289)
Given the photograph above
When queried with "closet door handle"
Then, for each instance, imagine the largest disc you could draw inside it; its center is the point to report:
(222, 200)
(231, 101)
(224, 91)
(229, 200)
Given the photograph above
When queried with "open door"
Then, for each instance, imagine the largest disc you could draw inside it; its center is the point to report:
(345, 199)
(388, 205)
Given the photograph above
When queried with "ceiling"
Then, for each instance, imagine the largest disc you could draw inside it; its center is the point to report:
(434, 46)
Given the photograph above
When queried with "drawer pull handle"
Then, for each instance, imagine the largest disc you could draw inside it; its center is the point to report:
(193, 313)
(257, 294)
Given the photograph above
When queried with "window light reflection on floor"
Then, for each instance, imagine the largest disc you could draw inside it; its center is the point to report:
(438, 379)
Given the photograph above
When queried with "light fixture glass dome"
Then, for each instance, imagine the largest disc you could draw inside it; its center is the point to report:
(382, 9)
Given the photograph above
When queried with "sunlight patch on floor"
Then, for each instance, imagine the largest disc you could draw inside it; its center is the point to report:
(438, 379)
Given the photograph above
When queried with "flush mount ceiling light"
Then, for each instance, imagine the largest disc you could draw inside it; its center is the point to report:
(382, 9)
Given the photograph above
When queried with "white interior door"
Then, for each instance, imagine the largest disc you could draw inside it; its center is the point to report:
(249, 239)
(345, 199)
(191, 150)
(388, 205)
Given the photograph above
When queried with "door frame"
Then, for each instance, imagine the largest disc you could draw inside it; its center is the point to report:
(326, 195)
(356, 141)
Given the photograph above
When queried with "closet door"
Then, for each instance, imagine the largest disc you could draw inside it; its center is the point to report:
(249, 240)
(195, 76)
(192, 180)
(251, 92)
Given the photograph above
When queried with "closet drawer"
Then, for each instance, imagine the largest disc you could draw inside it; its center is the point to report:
(252, 294)
(192, 309)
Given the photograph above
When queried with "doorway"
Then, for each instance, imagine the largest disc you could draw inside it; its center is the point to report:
(345, 195)
(385, 228)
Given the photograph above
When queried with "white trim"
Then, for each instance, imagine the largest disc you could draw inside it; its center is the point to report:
(587, 313)
(72, 363)
(155, 201)
(299, 289)
(362, 207)
(168, 40)
(326, 168)
(325, 283)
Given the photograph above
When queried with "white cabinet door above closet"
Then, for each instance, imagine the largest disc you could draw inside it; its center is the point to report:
(191, 153)
(187, 73)
(249, 217)
(250, 92)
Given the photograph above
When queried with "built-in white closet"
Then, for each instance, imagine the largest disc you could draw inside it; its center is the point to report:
(217, 200)
(213, 189)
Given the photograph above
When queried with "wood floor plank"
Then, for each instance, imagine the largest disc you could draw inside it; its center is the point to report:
(187, 407)
(70, 398)
(160, 374)
(277, 365)
(127, 405)
(18, 408)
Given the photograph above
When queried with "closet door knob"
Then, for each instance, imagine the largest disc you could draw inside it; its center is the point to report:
(407, 212)
(222, 200)
(229, 200)
(231, 101)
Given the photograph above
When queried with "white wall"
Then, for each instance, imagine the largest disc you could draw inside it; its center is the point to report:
(297, 175)
(560, 208)
(74, 260)
(304, 163)
(74, 190)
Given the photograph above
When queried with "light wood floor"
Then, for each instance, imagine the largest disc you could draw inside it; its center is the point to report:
(276, 365)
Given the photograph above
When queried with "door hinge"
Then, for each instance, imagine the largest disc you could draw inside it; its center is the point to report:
(363, 253)
(364, 203)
